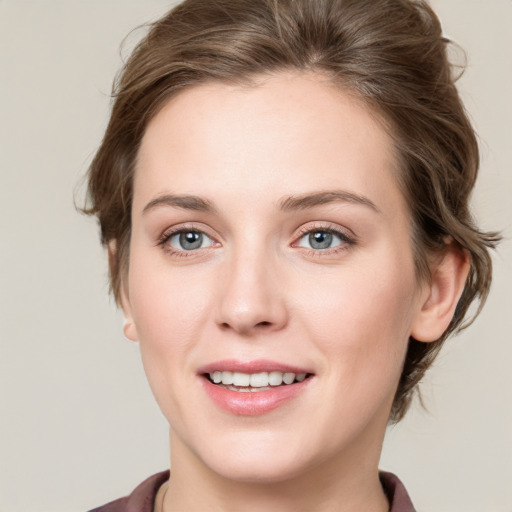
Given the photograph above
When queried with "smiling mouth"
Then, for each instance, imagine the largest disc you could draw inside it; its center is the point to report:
(254, 382)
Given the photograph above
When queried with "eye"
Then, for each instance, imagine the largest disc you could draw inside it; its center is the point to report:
(189, 240)
(323, 239)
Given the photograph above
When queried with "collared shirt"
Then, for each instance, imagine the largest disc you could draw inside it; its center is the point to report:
(142, 499)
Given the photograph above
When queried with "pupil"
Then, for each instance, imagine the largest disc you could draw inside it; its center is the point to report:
(320, 240)
(191, 240)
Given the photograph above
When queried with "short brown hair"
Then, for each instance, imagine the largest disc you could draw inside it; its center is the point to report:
(390, 53)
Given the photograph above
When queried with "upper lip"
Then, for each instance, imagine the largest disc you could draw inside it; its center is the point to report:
(255, 366)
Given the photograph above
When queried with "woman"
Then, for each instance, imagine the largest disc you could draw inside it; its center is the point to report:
(283, 191)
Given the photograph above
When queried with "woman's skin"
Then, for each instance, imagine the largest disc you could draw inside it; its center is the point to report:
(267, 225)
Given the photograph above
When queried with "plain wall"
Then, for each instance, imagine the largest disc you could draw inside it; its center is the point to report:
(78, 424)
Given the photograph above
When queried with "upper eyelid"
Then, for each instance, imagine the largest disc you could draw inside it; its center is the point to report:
(180, 228)
(325, 226)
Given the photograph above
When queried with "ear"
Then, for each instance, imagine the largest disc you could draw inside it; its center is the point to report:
(448, 277)
(129, 328)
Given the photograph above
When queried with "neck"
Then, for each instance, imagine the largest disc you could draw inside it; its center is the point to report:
(343, 484)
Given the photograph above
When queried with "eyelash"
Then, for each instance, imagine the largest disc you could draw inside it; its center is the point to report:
(168, 235)
(346, 240)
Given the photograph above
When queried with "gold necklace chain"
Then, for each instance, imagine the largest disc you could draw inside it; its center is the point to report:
(162, 499)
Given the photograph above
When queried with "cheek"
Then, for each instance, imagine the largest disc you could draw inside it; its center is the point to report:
(359, 300)
(361, 318)
(367, 357)
(168, 304)
(169, 311)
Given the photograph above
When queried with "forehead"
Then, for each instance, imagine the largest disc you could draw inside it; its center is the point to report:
(288, 133)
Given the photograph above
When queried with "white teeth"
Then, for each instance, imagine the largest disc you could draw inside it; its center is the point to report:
(275, 378)
(259, 380)
(241, 379)
(255, 380)
(288, 378)
(227, 378)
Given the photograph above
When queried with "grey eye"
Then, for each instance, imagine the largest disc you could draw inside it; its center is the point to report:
(189, 240)
(321, 240)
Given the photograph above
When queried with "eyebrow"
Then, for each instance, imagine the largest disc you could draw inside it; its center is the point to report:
(186, 202)
(305, 201)
(291, 203)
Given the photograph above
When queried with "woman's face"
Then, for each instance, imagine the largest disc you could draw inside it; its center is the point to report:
(270, 240)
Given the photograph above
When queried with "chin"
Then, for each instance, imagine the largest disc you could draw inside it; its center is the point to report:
(258, 457)
(258, 471)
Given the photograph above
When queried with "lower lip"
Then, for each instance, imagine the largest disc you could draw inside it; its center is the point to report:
(253, 403)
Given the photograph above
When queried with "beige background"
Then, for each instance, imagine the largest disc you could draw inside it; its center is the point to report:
(78, 425)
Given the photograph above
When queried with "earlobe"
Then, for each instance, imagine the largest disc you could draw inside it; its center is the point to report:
(448, 277)
(129, 328)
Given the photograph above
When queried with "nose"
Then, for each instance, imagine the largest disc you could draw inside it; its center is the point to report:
(251, 300)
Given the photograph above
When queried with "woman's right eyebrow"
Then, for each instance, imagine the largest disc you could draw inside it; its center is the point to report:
(185, 202)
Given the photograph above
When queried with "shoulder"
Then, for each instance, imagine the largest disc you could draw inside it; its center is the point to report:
(396, 493)
(142, 499)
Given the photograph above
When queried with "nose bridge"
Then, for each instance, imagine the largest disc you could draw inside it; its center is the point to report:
(251, 298)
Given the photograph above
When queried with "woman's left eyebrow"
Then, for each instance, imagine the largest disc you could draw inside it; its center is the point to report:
(310, 200)
(185, 202)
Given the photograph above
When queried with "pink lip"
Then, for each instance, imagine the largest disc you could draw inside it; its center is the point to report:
(260, 365)
(252, 403)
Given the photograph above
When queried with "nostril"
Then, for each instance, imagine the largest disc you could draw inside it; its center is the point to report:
(246, 328)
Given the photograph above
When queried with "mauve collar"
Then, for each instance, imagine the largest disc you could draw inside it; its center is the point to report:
(142, 499)
(396, 493)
